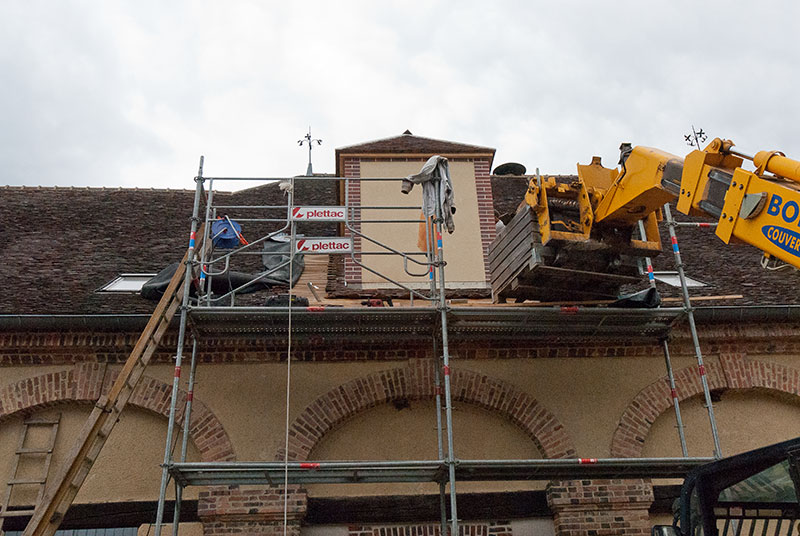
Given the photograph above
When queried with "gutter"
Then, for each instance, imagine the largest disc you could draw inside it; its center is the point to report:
(750, 313)
(107, 322)
(136, 322)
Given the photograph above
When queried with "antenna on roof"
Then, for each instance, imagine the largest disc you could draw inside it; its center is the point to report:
(307, 139)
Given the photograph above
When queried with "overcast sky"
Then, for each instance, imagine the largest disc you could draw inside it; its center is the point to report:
(113, 93)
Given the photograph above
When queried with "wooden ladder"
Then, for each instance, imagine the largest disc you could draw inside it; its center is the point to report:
(61, 492)
(26, 451)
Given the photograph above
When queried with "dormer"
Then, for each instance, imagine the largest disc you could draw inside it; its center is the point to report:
(400, 156)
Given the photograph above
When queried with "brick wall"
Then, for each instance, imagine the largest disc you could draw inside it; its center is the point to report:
(352, 169)
(600, 507)
(254, 510)
(489, 528)
(730, 370)
(483, 185)
(579, 507)
(415, 381)
(86, 382)
(55, 348)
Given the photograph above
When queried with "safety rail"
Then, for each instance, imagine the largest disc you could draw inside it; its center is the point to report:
(212, 262)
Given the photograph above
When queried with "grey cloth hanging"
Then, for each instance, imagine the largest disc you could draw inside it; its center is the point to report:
(276, 253)
(436, 166)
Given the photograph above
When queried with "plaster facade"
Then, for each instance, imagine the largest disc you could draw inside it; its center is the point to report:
(511, 402)
(463, 249)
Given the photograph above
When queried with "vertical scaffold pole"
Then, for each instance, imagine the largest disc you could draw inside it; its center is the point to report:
(674, 394)
(687, 304)
(205, 285)
(451, 459)
(437, 379)
(187, 417)
(292, 249)
(439, 437)
(187, 282)
(665, 345)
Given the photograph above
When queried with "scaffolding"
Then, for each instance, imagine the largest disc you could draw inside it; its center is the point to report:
(208, 319)
(205, 313)
(208, 265)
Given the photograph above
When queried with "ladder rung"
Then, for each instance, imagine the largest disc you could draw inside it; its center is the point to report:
(16, 513)
(34, 451)
(41, 421)
(16, 481)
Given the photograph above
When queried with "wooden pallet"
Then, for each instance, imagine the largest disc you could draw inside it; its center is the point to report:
(521, 269)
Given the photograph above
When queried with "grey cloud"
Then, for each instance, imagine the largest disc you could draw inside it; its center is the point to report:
(99, 93)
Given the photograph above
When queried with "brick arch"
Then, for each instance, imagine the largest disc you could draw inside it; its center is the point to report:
(85, 383)
(415, 381)
(733, 371)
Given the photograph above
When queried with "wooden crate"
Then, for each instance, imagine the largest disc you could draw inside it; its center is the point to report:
(522, 268)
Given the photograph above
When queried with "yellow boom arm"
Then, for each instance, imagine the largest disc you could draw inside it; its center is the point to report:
(577, 236)
(760, 207)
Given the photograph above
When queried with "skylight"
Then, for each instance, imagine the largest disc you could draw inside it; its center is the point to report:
(673, 279)
(126, 283)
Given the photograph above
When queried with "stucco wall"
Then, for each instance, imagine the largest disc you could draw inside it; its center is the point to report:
(126, 470)
(586, 397)
(746, 419)
(463, 249)
(397, 432)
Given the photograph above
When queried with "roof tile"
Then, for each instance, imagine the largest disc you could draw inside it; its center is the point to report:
(408, 143)
(61, 244)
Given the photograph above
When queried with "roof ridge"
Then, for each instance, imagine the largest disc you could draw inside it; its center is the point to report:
(91, 188)
(413, 136)
(372, 141)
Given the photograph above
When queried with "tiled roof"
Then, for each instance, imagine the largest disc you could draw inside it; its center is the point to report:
(409, 143)
(61, 244)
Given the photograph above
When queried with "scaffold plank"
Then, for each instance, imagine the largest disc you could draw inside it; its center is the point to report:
(267, 473)
(589, 323)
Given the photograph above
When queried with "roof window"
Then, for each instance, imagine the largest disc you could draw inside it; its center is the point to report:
(673, 279)
(126, 283)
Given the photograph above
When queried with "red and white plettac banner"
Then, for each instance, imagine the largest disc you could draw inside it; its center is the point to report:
(318, 213)
(323, 246)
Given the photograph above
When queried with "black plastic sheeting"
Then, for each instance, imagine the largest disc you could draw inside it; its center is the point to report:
(276, 273)
(645, 299)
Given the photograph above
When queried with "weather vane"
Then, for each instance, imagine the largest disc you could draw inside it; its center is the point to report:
(696, 137)
(310, 141)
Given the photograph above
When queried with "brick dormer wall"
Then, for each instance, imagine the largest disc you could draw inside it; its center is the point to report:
(465, 250)
(352, 169)
(483, 184)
